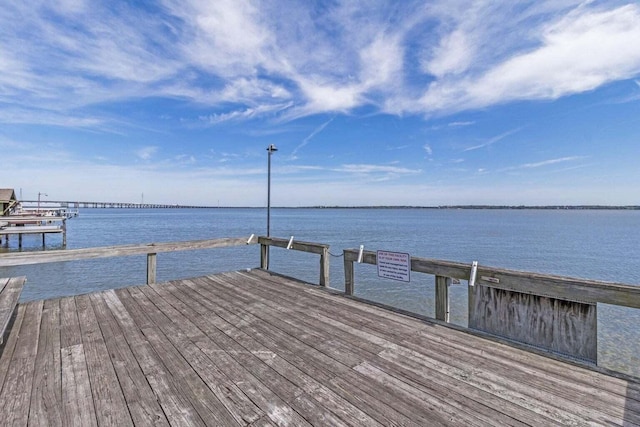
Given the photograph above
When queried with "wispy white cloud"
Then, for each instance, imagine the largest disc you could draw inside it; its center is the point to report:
(493, 140)
(48, 117)
(581, 50)
(308, 138)
(545, 163)
(551, 162)
(185, 159)
(146, 153)
(461, 124)
(452, 56)
(397, 147)
(244, 114)
(369, 169)
(398, 58)
(427, 149)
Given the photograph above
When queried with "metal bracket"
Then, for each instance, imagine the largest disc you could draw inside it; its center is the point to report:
(290, 243)
(360, 254)
(474, 271)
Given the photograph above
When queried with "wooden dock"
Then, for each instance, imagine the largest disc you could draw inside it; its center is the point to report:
(32, 224)
(254, 348)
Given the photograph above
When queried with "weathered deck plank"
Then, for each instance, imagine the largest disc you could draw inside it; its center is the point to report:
(323, 348)
(247, 370)
(175, 405)
(562, 385)
(16, 390)
(108, 397)
(143, 405)
(10, 290)
(288, 383)
(242, 330)
(186, 378)
(251, 348)
(354, 342)
(77, 399)
(46, 394)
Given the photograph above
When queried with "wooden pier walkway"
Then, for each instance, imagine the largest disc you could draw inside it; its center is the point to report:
(253, 348)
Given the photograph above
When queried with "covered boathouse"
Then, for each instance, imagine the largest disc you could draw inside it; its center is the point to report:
(8, 201)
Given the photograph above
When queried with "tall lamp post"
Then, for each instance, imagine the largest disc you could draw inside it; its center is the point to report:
(270, 150)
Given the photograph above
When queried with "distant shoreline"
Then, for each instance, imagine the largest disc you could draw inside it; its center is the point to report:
(451, 207)
(505, 207)
(488, 207)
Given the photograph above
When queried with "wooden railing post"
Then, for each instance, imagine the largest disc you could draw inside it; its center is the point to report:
(324, 267)
(264, 256)
(348, 274)
(442, 298)
(151, 269)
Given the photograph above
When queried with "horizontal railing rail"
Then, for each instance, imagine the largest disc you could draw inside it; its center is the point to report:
(310, 247)
(547, 285)
(149, 249)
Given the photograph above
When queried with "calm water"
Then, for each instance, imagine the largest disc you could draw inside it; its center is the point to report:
(602, 245)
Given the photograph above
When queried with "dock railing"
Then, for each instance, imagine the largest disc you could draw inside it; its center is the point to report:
(32, 224)
(554, 313)
(150, 249)
(310, 247)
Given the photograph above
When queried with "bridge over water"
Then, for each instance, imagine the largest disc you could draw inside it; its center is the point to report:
(44, 204)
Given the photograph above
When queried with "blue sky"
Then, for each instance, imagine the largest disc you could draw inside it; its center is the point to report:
(369, 102)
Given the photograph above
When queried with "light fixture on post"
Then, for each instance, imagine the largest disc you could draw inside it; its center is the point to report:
(40, 194)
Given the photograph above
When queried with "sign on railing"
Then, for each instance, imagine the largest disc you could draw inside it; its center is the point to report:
(394, 266)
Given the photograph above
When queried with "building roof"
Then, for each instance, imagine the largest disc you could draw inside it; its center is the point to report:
(7, 195)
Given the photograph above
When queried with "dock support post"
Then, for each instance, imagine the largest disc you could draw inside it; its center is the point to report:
(19, 241)
(64, 233)
(151, 269)
(348, 275)
(442, 298)
(43, 241)
(324, 267)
